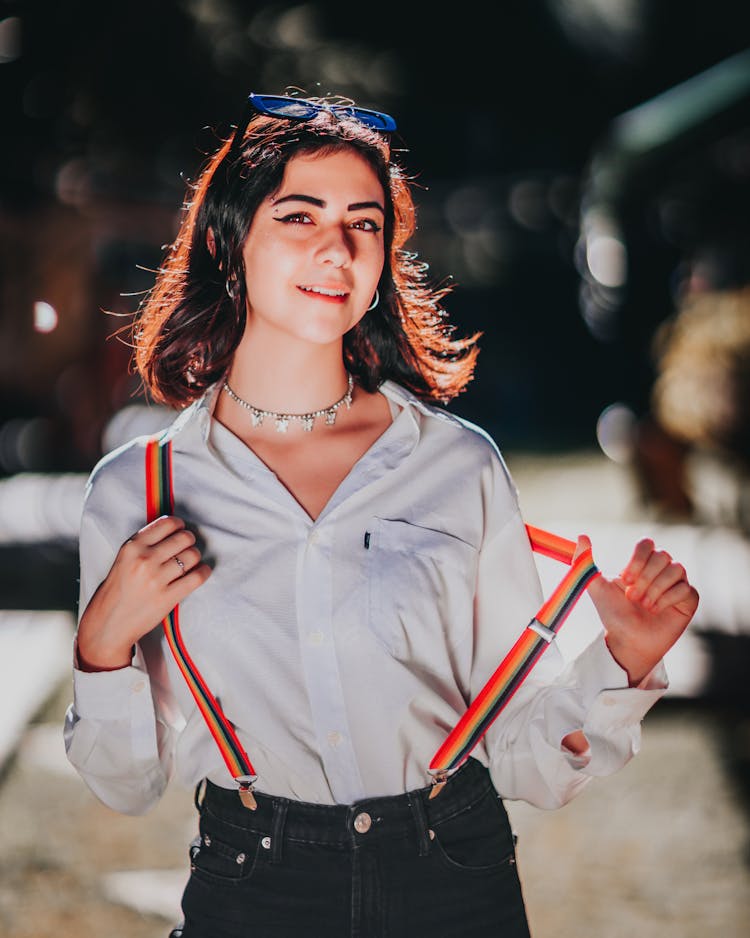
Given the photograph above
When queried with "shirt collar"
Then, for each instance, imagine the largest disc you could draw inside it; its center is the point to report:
(198, 415)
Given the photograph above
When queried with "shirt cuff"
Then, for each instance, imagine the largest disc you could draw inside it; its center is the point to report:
(109, 695)
(596, 670)
(656, 679)
(614, 710)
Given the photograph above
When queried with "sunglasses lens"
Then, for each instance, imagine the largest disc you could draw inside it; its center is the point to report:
(299, 109)
(284, 107)
(374, 119)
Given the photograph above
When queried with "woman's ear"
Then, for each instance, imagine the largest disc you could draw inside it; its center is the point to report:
(211, 243)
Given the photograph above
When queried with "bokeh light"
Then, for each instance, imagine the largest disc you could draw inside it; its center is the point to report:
(10, 39)
(615, 432)
(45, 317)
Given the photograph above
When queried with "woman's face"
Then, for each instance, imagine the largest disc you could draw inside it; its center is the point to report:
(314, 252)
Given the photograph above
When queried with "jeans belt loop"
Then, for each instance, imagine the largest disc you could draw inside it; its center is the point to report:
(277, 831)
(420, 823)
(200, 795)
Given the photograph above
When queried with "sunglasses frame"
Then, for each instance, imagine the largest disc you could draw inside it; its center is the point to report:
(262, 104)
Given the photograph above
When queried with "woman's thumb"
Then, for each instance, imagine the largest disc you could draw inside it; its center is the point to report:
(582, 544)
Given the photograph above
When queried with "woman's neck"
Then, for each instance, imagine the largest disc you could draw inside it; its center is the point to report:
(298, 379)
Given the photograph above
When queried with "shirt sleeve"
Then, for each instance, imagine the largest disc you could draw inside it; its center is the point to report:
(120, 729)
(527, 759)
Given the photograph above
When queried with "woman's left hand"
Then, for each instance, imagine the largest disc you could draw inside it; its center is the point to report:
(645, 609)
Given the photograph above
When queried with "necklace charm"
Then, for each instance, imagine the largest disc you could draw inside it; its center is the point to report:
(307, 420)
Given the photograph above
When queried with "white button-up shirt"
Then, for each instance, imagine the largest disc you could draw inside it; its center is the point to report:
(343, 650)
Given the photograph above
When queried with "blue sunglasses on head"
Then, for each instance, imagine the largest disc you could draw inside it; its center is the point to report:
(300, 109)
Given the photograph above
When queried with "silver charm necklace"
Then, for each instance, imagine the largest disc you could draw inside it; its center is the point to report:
(307, 420)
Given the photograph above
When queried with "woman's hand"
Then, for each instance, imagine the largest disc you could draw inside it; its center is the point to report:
(645, 609)
(144, 584)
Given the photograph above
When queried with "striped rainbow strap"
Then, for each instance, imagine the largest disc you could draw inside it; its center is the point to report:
(159, 501)
(522, 657)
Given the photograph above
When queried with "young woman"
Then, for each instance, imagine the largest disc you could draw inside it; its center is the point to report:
(350, 565)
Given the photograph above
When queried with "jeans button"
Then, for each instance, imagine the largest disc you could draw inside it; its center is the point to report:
(362, 823)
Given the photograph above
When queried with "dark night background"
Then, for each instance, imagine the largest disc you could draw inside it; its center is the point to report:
(107, 110)
(106, 107)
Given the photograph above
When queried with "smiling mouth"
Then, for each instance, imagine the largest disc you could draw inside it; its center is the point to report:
(329, 292)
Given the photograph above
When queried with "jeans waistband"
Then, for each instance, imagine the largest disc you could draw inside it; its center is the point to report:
(368, 819)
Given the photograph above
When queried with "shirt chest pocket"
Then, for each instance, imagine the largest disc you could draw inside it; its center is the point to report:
(421, 587)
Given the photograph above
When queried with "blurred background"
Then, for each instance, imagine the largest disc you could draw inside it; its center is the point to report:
(582, 175)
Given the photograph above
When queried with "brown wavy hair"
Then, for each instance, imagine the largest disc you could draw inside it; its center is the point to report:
(189, 324)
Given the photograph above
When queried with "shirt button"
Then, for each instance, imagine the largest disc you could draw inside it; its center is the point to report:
(609, 701)
(334, 738)
(313, 537)
(316, 638)
(138, 686)
(362, 823)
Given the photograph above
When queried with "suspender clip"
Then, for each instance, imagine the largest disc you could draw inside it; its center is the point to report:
(439, 780)
(247, 797)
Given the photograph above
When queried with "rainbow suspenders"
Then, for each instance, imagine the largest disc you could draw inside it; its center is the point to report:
(515, 667)
(482, 712)
(160, 501)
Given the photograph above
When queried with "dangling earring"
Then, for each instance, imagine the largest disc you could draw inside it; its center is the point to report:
(229, 287)
(375, 301)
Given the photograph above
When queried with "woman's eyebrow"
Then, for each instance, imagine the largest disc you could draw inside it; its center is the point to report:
(300, 198)
(358, 206)
(321, 203)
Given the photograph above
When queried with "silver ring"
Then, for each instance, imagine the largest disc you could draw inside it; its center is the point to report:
(180, 564)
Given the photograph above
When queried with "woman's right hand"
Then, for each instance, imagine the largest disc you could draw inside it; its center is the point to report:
(144, 584)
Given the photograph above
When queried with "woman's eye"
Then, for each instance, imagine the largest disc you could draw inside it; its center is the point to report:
(296, 218)
(367, 224)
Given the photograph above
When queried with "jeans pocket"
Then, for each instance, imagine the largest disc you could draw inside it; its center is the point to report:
(478, 839)
(216, 862)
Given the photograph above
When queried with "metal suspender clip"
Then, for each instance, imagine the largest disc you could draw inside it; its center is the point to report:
(439, 780)
(547, 634)
(247, 797)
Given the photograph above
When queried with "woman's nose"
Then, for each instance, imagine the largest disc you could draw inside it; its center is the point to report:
(334, 248)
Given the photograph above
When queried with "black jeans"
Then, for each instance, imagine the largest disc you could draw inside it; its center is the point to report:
(380, 868)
